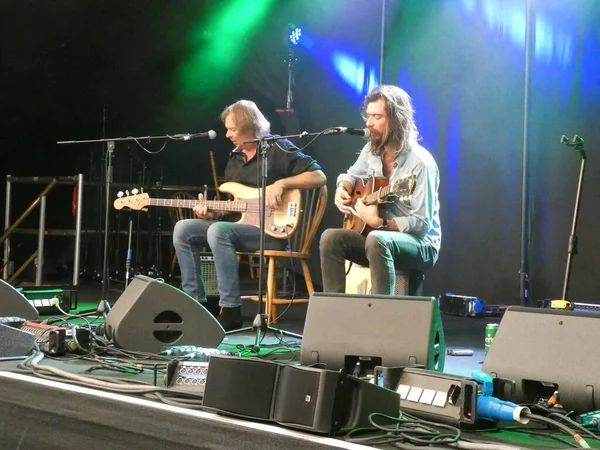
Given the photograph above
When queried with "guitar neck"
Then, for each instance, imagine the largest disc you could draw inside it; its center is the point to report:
(377, 195)
(215, 205)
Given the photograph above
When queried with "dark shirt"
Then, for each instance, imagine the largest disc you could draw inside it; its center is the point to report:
(284, 160)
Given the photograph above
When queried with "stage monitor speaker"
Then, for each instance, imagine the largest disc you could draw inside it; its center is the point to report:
(327, 401)
(15, 304)
(15, 343)
(348, 330)
(150, 315)
(242, 387)
(306, 398)
(537, 351)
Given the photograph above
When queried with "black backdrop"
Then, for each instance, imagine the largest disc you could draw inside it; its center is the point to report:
(78, 69)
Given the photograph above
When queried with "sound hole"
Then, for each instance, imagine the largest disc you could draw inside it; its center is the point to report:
(168, 317)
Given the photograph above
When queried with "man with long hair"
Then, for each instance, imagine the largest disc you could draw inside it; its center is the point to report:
(406, 233)
(288, 168)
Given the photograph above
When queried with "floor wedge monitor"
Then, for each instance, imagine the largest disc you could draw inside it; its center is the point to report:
(348, 330)
(150, 315)
(538, 351)
(15, 304)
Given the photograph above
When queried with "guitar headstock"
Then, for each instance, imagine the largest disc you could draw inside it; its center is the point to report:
(404, 187)
(134, 201)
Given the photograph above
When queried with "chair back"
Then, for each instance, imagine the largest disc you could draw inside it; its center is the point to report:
(313, 203)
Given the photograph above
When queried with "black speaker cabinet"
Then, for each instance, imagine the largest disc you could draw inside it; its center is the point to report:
(150, 315)
(327, 401)
(306, 398)
(15, 343)
(538, 351)
(342, 330)
(14, 304)
(242, 387)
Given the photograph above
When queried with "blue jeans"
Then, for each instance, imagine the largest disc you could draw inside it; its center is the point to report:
(224, 239)
(382, 251)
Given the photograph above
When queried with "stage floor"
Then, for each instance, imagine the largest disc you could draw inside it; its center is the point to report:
(39, 413)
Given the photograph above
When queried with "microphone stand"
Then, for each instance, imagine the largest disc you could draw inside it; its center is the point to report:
(577, 143)
(260, 323)
(129, 255)
(110, 146)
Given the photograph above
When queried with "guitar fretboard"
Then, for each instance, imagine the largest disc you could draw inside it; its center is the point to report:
(378, 194)
(215, 205)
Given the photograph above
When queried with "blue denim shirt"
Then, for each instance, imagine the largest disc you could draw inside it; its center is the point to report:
(418, 216)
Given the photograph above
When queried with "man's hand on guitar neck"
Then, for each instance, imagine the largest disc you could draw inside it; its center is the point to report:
(201, 209)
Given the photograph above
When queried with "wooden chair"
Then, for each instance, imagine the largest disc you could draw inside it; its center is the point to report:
(312, 208)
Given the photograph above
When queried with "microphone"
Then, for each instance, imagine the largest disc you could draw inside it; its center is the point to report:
(364, 132)
(575, 141)
(187, 136)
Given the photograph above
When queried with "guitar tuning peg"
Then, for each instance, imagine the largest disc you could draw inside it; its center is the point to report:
(120, 194)
(142, 190)
(134, 191)
(127, 192)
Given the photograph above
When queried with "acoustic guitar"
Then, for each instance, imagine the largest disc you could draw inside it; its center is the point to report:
(376, 190)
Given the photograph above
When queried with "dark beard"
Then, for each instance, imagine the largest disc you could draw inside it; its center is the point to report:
(376, 143)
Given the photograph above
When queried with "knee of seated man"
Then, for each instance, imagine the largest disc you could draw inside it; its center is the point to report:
(179, 232)
(328, 238)
(218, 230)
(374, 240)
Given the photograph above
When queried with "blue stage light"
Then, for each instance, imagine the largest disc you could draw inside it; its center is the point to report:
(295, 35)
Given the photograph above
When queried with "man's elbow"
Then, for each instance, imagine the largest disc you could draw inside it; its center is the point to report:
(318, 178)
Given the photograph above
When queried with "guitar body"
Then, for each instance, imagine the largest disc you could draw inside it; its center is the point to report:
(279, 223)
(362, 188)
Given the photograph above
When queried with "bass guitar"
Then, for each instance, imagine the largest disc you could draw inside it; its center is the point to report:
(279, 223)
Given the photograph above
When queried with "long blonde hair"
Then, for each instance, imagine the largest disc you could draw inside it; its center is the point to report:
(247, 118)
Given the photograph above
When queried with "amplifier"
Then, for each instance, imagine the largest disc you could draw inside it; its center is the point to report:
(48, 300)
(209, 273)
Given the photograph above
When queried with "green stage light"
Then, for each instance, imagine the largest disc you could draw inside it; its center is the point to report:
(218, 42)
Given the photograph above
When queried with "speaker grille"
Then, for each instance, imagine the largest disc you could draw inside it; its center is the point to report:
(240, 387)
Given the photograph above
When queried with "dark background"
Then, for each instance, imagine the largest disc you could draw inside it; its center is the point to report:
(90, 69)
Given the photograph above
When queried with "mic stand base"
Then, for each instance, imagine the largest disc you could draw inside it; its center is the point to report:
(259, 325)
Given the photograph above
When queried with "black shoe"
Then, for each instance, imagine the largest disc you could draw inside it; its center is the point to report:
(231, 318)
(212, 305)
